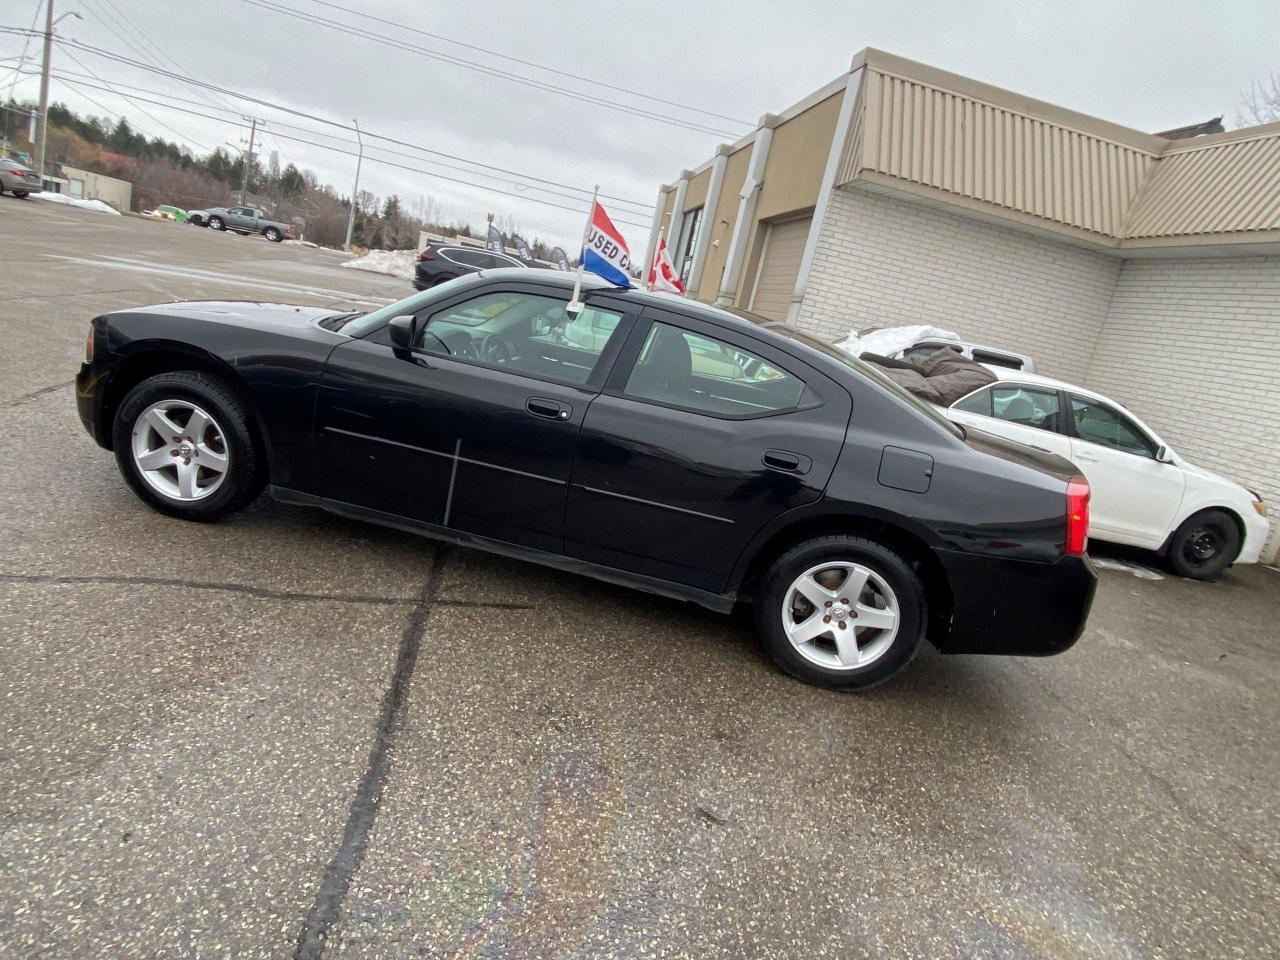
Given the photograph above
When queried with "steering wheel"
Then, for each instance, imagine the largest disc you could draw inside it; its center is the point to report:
(495, 350)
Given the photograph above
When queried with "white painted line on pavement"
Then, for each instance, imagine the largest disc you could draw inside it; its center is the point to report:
(212, 276)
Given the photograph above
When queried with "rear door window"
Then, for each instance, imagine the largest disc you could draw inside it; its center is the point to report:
(680, 368)
(1027, 406)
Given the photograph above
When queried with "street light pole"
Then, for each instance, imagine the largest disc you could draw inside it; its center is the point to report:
(355, 189)
(44, 83)
(44, 87)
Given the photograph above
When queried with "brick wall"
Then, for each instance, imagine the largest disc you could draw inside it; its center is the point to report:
(883, 261)
(1193, 347)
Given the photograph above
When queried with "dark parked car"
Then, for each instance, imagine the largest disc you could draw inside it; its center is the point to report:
(648, 440)
(441, 262)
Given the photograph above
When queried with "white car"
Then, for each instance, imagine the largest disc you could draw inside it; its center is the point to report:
(1144, 494)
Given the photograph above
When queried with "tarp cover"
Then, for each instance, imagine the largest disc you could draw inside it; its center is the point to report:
(891, 340)
(942, 378)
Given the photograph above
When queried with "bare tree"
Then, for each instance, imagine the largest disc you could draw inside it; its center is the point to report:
(1260, 103)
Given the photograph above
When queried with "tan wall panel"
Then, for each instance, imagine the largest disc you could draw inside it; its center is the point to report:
(735, 175)
(941, 139)
(797, 157)
(695, 195)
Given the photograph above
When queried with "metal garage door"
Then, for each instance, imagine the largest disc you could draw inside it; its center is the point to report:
(779, 265)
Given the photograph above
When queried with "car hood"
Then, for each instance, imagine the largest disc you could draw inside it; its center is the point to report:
(1208, 478)
(1035, 457)
(245, 313)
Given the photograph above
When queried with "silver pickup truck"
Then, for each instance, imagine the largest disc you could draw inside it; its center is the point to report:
(243, 220)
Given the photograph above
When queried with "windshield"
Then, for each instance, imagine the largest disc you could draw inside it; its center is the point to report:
(871, 373)
(371, 321)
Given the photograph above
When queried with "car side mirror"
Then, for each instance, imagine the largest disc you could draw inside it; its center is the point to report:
(1163, 455)
(402, 330)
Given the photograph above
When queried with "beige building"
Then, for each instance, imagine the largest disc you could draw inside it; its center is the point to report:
(1144, 267)
(96, 186)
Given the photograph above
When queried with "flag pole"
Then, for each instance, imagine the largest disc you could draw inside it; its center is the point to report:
(575, 305)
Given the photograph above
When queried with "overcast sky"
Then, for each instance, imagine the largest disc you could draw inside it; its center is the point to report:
(1147, 65)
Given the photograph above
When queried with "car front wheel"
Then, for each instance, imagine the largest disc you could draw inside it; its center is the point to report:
(183, 442)
(841, 612)
(20, 194)
(216, 223)
(1204, 545)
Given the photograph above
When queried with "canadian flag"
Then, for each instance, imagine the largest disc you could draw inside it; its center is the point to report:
(662, 275)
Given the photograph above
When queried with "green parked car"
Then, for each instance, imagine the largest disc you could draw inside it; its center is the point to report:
(176, 214)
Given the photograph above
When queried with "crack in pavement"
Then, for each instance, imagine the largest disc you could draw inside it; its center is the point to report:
(264, 593)
(327, 907)
(37, 394)
(1162, 783)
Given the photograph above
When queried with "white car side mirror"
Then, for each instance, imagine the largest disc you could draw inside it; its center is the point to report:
(1163, 455)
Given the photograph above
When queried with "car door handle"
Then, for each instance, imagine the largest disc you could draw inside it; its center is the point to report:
(786, 460)
(1084, 456)
(548, 409)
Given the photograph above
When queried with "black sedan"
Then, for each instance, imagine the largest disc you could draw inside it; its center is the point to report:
(646, 440)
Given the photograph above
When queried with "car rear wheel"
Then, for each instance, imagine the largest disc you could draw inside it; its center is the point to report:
(216, 223)
(182, 441)
(272, 234)
(840, 612)
(1205, 545)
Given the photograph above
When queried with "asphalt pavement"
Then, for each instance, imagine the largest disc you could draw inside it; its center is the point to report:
(291, 735)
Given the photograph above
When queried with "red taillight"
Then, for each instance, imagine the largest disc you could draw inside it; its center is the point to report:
(425, 255)
(1077, 516)
(88, 347)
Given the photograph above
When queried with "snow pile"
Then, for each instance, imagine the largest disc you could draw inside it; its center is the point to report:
(97, 206)
(891, 340)
(398, 263)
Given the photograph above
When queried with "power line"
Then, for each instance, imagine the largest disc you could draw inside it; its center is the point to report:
(117, 87)
(175, 132)
(529, 63)
(107, 54)
(351, 153)
(490, 71)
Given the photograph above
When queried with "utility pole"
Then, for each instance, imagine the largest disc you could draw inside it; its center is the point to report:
(44, 82)
(248, 157)
(44, 87)
(355, 189)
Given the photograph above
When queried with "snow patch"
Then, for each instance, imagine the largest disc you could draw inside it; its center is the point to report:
(97, 206)
(398, 263)
(1142, 573)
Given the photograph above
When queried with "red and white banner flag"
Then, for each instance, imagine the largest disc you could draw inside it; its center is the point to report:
(662, 275)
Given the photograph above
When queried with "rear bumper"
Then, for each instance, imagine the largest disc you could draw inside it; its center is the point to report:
(1016, 607)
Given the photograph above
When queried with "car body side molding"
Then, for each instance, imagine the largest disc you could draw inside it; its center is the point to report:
(719, 602)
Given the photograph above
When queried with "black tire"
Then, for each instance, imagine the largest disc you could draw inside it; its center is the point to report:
(439, 280)
(272, 234)
(217, 223)
(20, 194)
(1204, 545)
(245, 466)
(887, 565)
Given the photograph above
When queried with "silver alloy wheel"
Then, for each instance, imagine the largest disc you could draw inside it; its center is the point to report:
(180, 450)
(840, 615)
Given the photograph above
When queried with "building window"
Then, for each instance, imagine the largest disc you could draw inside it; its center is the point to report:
(690, 226)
